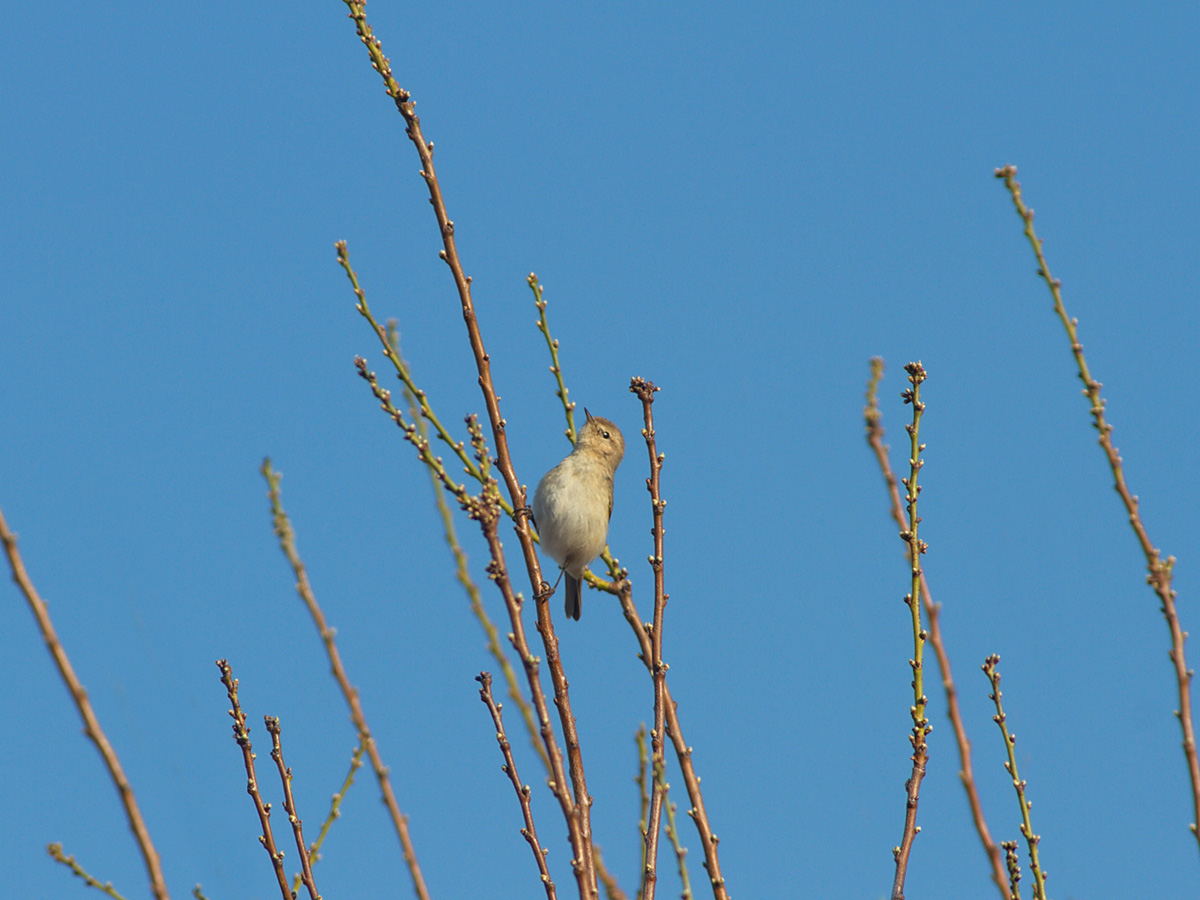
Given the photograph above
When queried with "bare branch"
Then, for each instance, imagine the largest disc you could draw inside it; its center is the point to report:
(1160, 570)
(683, 752)
(485, 510)
(1013, 862)
(289, 806)
(91, 724)
(529, 832)
(645, 391)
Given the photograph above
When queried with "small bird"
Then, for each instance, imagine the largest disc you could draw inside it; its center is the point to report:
(573, 503)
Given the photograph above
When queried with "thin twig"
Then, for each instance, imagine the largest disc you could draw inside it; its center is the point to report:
(683, 752)
(529, 832)
(91, 724)
(875, 433)
(289, 806)
(241, 734)
(335, 811)
(643, 784)
(680, 850)
(287, 543)
(1010, 740)
(552, 344)
(582, 800)
(402, 372)
(921, 726)
(1160, 570)
(410, 431)
(198, 893)
(644, 797)
(645, 391)
(56, 853)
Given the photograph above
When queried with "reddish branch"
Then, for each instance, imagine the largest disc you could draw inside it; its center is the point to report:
(406, 106)
(289, 806)
(529, 832)
(91, 724)
(241, 734)
(875, 432)
(645, 391)
(1160, 570)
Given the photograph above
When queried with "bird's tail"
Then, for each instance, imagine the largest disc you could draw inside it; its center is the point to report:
(574, 595)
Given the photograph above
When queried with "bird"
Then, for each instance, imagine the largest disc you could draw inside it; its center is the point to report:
(573, 504)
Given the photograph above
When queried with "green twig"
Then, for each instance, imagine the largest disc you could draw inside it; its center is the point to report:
(335, 811)
(56, 853)
(615, 573)
(643, 786)
(671, 808)
(1010, 740)
(916, 547)
(552, 344)
(612, 890)
(680, 850)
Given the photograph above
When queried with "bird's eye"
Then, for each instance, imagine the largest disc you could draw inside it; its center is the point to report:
(606, 435)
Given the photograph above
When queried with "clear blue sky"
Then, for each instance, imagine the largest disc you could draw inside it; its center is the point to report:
(741, 206)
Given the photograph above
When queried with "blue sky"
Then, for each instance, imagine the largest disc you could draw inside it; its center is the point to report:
(743, 207)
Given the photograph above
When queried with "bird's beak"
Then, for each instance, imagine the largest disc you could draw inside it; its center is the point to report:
(588, 414)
